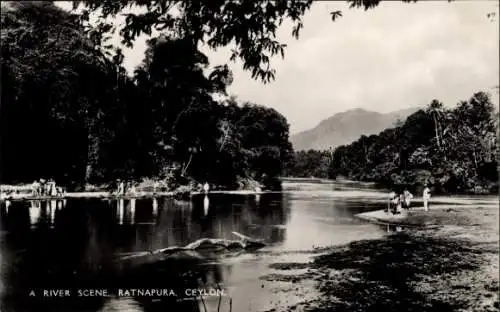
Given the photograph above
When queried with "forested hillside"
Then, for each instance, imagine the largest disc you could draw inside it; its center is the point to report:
(454, 150)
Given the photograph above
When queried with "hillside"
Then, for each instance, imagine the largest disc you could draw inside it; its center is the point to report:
(346, 127)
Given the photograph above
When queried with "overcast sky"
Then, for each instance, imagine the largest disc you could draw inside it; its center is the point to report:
(395, 56)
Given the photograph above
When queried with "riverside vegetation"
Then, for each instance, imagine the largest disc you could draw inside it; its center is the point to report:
(70, 111)
(454, 150)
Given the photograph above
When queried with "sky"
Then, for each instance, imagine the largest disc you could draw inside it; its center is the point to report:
(395, 56)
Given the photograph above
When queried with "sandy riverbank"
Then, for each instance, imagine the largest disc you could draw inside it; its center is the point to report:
(446, 259)
(144, 189)
(108, 195)
(27, 196)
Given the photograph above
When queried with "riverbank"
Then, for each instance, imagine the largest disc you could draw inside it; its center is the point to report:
(108, 195)
(104, 195)
(183, 193)
(144, 189)
(446, 259)
(438, 215)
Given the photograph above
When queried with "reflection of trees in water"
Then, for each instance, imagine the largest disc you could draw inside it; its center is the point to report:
(271, 214)
(64, 256)
(16, 220)
(173, 223)
(180, 223)
(86, 234)
(78, 250)
(126, 225)
(36, 213)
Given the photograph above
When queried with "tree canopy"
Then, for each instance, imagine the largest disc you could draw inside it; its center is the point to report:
(248, 26)
(454, 150)
(71, 113)
(55, 89)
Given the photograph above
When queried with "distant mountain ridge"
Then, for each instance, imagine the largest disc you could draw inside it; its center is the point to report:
(346, 127)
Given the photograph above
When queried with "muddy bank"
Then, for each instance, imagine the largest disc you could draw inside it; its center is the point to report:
(450, 267)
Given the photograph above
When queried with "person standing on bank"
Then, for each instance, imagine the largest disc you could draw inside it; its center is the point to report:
(426, 196)
(407, 197)
(206, 187)
(35, 189)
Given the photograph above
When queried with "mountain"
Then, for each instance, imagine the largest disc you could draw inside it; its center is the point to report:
(346, 127)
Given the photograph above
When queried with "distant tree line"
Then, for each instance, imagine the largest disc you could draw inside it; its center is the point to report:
(453, 150)
(70, 112)
(310, 164)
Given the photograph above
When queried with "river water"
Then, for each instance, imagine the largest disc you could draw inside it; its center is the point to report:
(74, 244)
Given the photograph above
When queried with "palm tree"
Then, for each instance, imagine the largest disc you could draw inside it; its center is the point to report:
(436, 110)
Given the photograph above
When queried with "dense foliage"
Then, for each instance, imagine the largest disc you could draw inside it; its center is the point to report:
(71, 113)
(57, 91)
(453, 150)
(311, 164)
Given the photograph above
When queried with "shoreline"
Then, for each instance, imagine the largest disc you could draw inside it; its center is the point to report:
(102, 195)
(438, 202)
(139, 195)
(417, 216)
(442, 259)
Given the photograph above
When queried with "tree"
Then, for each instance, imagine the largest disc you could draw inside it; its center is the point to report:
(249, 26)
(184, 117)
(311, 163)
(54, 96)
(436, 110)
(406, 155)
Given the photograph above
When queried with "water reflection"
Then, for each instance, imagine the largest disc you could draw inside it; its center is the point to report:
(120, 209)
(42, 213)
(155, 207)
(205, 205)
(53, 208)
(86, 236)
(393, 228)
(35, 212)
(132, 211)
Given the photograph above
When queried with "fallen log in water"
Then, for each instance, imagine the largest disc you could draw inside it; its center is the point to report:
(197, 248)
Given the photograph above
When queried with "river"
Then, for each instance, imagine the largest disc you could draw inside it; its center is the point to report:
(73, 244)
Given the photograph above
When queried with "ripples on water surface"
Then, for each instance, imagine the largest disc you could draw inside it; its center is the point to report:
(75, 242)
